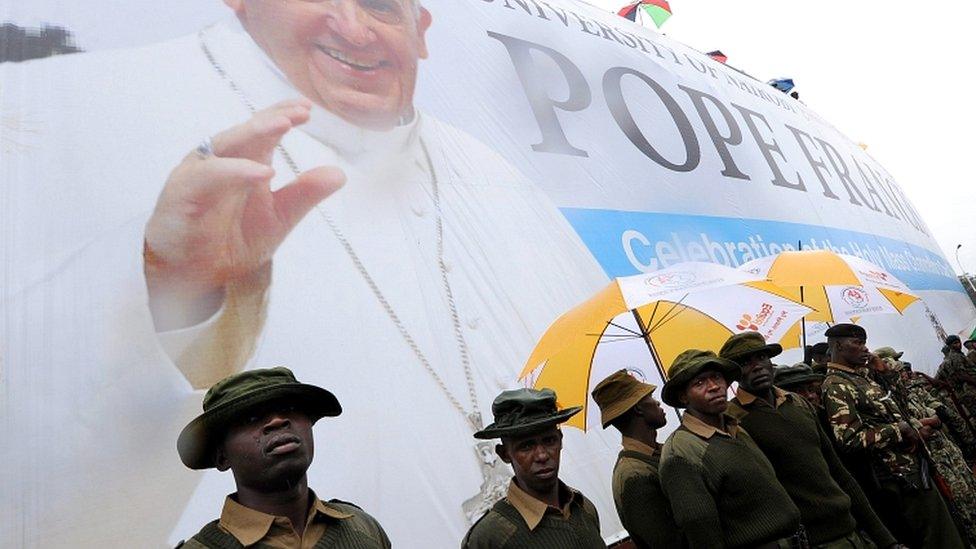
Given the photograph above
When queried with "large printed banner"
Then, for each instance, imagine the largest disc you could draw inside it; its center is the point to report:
(394, 198)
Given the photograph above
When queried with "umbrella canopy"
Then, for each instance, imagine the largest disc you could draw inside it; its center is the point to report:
(686, 306)
(658, 10)
(838, 287)
(718, 56)
(782, 84)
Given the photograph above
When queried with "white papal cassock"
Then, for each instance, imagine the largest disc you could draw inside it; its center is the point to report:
(92, 398)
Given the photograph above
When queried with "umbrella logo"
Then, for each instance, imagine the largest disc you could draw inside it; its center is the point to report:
(671, 280)
(855, 297)
(745, 323)
(752, 323)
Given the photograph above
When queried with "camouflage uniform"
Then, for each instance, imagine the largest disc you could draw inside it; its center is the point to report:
(958, 426)
(956, 480)
(971, 357)
(953, 370)
(864, 420)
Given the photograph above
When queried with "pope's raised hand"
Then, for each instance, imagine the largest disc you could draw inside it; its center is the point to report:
(217, 219)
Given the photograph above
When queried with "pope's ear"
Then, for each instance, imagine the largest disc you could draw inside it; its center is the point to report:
(236, 5)
(423, 23)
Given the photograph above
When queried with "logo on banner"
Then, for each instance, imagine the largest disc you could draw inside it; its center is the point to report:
(751, 323)
(671, 281)
(855, 296)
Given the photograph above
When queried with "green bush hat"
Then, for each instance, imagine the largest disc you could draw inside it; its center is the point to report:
(619, 392)
(888, 352)
(746, 343)
(233, 396)
(789, 376)
(688, 365)
(524, 411)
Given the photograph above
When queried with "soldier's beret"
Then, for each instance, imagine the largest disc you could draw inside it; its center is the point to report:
(820, 348)
(952, 339)
(846, 330)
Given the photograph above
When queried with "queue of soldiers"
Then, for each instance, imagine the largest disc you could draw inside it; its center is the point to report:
(854, 451)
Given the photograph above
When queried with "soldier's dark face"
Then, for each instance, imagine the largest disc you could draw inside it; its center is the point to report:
(651, 412)
(534, 459)
(852, 351)
(956, 345)
(819, 359)
(969, 345)
(810, 391)
(757, 372)
(269, 449)
(707, 393)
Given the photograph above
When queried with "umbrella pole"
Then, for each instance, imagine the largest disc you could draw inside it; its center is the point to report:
(803, 325)
(650, 345)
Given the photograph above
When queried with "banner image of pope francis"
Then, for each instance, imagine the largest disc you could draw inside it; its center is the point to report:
(264, 192)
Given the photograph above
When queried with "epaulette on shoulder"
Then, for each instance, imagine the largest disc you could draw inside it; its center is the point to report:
(349, 503)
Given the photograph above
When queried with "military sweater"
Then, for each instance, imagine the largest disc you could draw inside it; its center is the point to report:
(519, 521)
(330, 525)
(831, 502)
(641, 504)
(723, 490)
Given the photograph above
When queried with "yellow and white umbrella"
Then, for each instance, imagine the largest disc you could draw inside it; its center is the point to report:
(839, 287)
(690, 305)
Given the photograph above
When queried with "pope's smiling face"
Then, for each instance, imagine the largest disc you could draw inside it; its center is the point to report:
(355, 58)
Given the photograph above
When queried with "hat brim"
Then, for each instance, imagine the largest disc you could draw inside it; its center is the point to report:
(496, 431)
(773, 349)
(793, 381)
(198, 439)
(674, 386)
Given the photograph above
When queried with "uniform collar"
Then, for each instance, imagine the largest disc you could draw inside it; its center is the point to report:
(861, 371)
(249, 526)
(634, 445)
(705, 430)
(532, 510)
(747, 399)
(260, 80)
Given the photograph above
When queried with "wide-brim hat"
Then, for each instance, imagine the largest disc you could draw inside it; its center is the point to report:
(688, 365)
(788, 376)
(524, 411)
(233, 396)
(747, 343)
(619, 392)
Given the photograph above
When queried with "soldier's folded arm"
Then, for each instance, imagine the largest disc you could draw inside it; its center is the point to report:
(692, 504)
(851, 432)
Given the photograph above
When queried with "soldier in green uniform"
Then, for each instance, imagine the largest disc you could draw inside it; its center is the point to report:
(628, 405)
(953, 475)
(802, 380)
(938, 396)
(970, 345)
(722, 488)
(819, 358)
(833, 509)
(258, 424)
(539, 511)
(959, 373)
(869, 429)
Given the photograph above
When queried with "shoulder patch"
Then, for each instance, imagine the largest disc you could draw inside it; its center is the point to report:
(340, 502)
